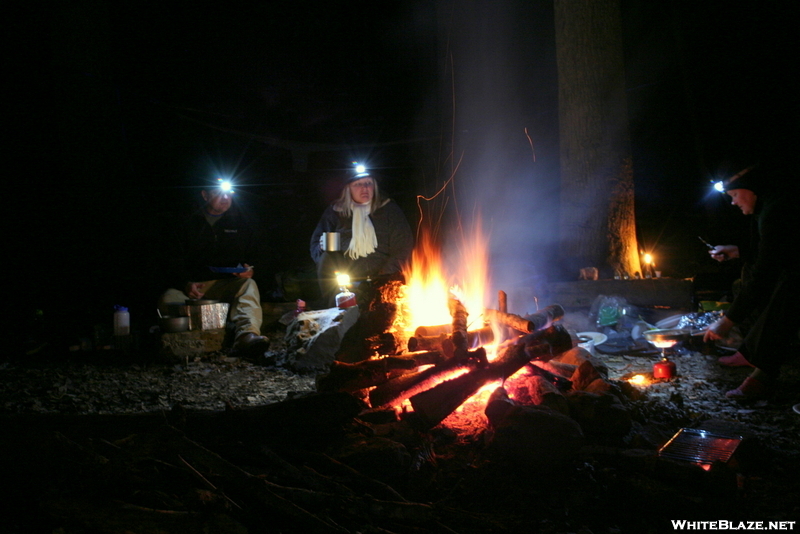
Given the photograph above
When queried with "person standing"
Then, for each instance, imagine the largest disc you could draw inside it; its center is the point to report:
(375, 237)
(218, 235)
(766, 305)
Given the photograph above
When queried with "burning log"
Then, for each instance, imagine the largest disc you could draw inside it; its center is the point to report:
(502, 301)
(354, 376)
(459, 336)
(480, 337)
(433, 330)
(424, 357)
(540, 320)
(404, 387)
(458, 342)
(420, 342)
(433, 405)
(369, 373)
(560, 341)
(443, 342)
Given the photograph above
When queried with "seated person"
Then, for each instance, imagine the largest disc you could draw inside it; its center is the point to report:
(219, 235)
(375, 237)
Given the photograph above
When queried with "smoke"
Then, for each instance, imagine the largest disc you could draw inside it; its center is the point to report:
(504, 100)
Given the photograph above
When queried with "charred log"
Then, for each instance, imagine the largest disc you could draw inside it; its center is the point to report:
(432, 343)
(480, 337)
(433, 405)
(559, 340)
(540, 320)
(354, 376)
(459, 336)
(404, 387)
(434, 330)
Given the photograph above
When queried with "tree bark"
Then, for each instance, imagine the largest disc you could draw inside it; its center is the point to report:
(597, 204)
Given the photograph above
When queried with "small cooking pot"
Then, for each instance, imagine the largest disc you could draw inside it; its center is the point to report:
(173, 324)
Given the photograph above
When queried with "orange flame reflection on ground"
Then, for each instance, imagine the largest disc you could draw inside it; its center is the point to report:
(638, 380)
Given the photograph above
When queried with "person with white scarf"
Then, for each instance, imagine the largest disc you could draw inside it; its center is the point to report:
(375, 237)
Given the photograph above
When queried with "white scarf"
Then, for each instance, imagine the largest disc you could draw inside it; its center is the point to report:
(364, 240)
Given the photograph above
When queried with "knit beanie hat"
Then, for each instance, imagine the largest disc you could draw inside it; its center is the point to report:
(744, 179)
(359, 171)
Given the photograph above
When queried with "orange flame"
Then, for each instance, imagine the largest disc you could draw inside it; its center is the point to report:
(429, 286)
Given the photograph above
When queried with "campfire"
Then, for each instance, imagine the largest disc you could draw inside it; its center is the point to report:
(452, 354)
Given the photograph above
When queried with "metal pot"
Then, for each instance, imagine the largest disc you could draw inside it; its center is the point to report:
(171, 324)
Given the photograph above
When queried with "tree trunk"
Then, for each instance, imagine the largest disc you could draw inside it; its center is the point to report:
(597, 221)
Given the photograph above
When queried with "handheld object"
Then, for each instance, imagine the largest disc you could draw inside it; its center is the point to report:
(706, 243)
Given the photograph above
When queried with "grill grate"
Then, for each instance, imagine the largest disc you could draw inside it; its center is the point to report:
(700, 447)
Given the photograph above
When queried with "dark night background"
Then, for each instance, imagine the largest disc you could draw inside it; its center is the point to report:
(120, 110)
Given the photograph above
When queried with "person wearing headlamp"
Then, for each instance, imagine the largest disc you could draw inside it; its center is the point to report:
(375, 237)
(766, 306)
(212, 256)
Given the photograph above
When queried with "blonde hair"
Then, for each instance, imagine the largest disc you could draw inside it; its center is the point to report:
(344, 204)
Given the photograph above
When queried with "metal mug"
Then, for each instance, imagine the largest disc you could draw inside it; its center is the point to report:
(331, 241)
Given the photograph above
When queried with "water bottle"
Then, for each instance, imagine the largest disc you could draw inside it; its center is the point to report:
(122, 321)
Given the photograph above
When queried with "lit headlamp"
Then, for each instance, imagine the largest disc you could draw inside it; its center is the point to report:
(225, 186)
(361, 169)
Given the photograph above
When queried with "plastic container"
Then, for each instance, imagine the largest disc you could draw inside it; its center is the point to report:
(122, 321)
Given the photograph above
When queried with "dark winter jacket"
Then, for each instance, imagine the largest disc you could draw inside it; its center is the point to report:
(395, 240)
(231, 241)
(767, 254)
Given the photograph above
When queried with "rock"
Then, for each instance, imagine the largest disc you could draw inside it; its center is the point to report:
(599, 386)
(533, 437)
(599, 414)
(314, 337)
(578, 356)
(537, 390)
(561, 369)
